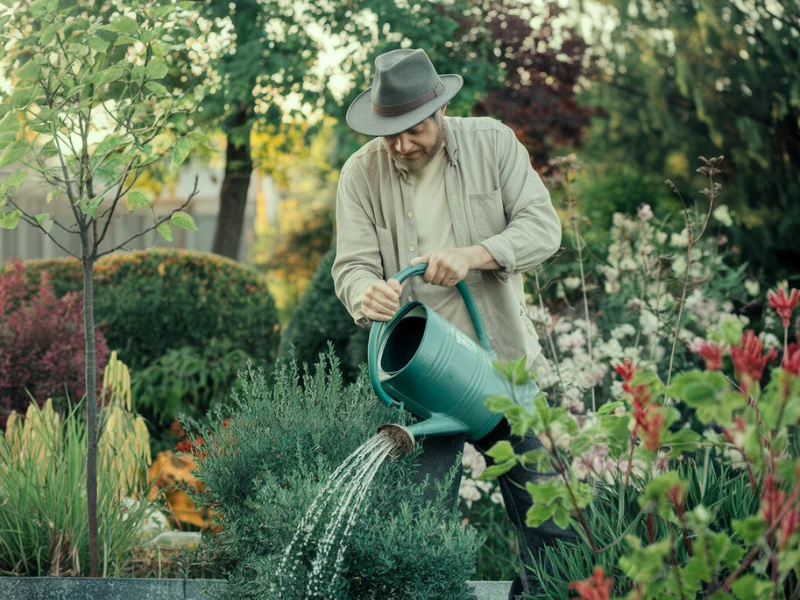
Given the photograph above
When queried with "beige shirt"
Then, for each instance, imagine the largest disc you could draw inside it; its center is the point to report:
(435, 232)
(495, 199)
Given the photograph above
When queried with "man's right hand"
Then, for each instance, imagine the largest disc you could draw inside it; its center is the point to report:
(381, 300)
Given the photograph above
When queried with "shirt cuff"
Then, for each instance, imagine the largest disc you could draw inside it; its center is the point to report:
(501, 250)
(358, 315)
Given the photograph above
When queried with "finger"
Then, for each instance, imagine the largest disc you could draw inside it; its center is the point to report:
(396, 286)
(376, 311)
(375, 316)
(421, 259)
(380, 303)
(431, 271)
(385, 290)
(442, 275)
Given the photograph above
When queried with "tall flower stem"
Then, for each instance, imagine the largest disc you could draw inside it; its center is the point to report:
(573, 217)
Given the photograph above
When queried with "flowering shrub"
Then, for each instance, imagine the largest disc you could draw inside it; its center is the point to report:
(681, 482)
(41, 343)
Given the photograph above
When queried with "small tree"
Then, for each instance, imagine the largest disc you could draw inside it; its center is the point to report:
(87, 113)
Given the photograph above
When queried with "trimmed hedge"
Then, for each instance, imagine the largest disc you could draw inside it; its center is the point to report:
(321, 317)
(153, 301)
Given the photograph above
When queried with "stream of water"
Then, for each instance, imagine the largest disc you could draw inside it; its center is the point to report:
(338, 500)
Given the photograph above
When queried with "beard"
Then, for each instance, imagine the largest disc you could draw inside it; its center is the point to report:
(426, 154)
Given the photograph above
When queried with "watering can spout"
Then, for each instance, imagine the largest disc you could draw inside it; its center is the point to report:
(404, 438)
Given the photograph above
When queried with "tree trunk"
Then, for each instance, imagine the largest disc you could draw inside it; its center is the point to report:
(233, 197)
(91, 408)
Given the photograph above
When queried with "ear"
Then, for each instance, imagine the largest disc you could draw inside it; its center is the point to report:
(444, 108)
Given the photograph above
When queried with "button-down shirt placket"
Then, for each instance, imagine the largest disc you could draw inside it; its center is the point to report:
(409, 249)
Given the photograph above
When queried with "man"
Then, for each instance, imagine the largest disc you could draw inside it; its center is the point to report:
(461, 196)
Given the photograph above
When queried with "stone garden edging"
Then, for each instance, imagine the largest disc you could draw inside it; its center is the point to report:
(109, 588)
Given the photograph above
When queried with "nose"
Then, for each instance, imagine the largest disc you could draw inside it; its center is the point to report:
(403, 145)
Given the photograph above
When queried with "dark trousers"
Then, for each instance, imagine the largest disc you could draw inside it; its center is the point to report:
(438, 457)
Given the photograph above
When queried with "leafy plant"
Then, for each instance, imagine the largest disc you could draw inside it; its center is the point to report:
(41, 342)
(687, 489)
(87, 113)
(263, 464)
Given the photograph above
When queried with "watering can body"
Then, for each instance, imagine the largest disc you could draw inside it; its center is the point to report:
(421, 361)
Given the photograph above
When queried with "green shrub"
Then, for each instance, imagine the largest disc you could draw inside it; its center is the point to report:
(156, 300)
(188, 380)
(268, 460)
(321, 317)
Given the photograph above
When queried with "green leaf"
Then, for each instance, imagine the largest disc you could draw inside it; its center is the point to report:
(10, 122)
(13, 152)
(10, 219)
(156, 69)
(13, 181)
(546, 493)
(125, 25)
(45, 220)
(109, 143)
(609, 408)
(538, 514)
(561, 517)
(750, 529)
(499, 404)
(125, 40)
(184, 221)
(501, 451)
(108, 75)
(30, 70)
(156, 88)
(166, 232)
(98, 44)
(748, 587)
(136, 200)
(22, 97)
(181, 151)
(496, 470)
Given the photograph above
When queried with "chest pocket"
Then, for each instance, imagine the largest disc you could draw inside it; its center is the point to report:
(386, 246)
(487, 209)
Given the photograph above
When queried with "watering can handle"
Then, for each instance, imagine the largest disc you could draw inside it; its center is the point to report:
(378, 326)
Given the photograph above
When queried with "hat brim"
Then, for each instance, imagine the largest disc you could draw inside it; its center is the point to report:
(362, 119)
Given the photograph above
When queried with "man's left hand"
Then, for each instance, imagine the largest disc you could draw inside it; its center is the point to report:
(446, 267)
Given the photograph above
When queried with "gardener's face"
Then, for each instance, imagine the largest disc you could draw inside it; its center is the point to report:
(417, 146)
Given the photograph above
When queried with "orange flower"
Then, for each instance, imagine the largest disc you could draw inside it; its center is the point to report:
(596, 587)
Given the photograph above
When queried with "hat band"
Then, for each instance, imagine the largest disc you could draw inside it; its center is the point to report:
(401, 109)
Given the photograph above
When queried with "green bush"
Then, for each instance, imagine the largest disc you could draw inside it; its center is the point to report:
(268, 460)
(188, 380)
(321, 317)
(153, 301)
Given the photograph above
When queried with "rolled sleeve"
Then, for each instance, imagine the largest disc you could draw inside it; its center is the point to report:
(358, 260)
(534, 230)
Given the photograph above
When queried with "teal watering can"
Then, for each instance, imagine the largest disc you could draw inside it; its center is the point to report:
(423, 363)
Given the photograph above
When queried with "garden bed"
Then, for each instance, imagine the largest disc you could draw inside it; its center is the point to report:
(81, 588)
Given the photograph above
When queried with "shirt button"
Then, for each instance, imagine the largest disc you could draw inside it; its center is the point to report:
(410, 215)
(411, 248)
(409, 298)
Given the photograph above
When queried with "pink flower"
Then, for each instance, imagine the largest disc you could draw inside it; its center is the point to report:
(712, 354)
(748, 364)
(784, 305)
(791, 360)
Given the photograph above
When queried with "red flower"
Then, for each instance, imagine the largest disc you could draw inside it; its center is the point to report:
(596, 587)
(712, 354)
(791, 360)
(784, 305)
(748, 364)
(772, 500)
(626, 369)
(789, 526)
(648, 416)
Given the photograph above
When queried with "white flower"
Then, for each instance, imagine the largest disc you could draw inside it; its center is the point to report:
(770, 340)
(622, 331)
(680, 240)
(645, 213)
(572, 283)
(722, 215)
(753, 288)
(661, 237)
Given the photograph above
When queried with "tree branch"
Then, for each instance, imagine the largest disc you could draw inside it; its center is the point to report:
(157, 223)
(34, 223)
